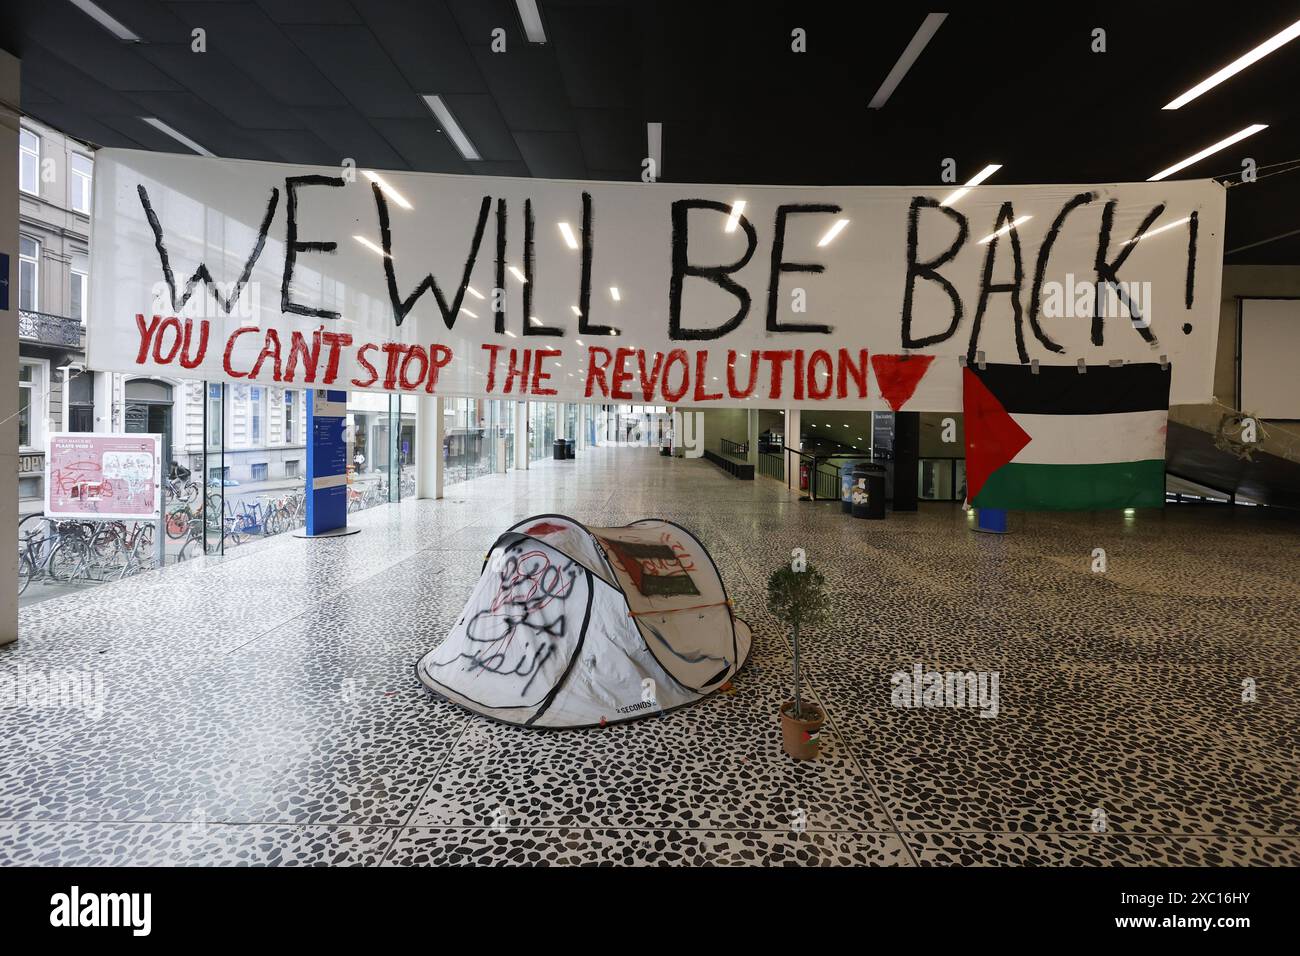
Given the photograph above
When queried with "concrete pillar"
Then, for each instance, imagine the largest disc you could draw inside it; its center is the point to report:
(790, 422)
(521, 435)
(752, 437)
(9, 69)
(430, 433)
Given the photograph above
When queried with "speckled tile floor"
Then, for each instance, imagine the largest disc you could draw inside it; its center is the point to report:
(262, 708)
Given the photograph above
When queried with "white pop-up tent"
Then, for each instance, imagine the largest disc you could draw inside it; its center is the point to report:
(570, 626)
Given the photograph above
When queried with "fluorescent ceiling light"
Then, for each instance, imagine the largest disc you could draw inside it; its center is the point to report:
(1173, 225)
(106, 20)
(514, 271)
(833, 231)
(1020, 221)
(387, 190)
(1209, 150)
(654, 135)
(576, 311)
(474, 292)
(570, 239)
(177, 135)
(535, 320)
(734, 219)
(531, 18)
(579, 341)
(1237, 65)
(468, 312)
(511, 334)
(978, 178)
(613, 291)
(451, 127)
(370, 245)
(924, 32)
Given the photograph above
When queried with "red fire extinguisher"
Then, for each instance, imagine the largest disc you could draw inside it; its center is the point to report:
(803, 476)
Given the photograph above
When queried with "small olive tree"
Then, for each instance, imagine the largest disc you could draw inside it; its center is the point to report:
(797, 597)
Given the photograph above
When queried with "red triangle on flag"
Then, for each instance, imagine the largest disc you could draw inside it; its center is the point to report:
(898, 375)
(993, 437)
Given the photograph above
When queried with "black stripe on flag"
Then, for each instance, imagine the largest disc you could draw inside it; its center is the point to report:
(1061, 390)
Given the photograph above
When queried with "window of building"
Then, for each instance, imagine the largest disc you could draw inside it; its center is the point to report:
(291, 468)
(31, 404)
(255, 410)
(77, 301)
(29, 273)
(81, 402)
(79, 183)
(29, 162)
(290, 417)
(214, 416)
(259, 471)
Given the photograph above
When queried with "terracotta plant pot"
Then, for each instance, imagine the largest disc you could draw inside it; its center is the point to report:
(801, 737)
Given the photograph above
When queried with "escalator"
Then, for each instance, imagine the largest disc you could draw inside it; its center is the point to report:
(1268, 478)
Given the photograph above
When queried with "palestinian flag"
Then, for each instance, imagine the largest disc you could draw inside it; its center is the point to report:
(1061, 441)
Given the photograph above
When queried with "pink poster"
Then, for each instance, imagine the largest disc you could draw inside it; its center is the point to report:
(97, 476)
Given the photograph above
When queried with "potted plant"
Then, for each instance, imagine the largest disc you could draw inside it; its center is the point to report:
(797, 597)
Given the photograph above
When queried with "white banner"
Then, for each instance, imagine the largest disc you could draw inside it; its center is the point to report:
(848, 297)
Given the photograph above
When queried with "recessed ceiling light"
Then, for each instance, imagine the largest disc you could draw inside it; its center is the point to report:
(387, 190)
(370, 245)
(514, 271)
(107, 21)
(613, 291)
(1154, 232)
(1209, 150)
(1237, 65)
(1019, 221)
(733, 220)
(450, 126)
(569, 238)
(833, 231)
(531, 18)
(910, 53)
(975, 180)
(177, 135)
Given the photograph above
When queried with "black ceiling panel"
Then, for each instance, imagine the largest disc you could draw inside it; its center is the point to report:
(315, 81)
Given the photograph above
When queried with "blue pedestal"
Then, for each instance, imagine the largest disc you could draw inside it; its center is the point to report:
(327, 462)
(991, 520)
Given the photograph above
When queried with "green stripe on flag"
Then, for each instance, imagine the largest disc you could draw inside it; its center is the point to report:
(1121, 484)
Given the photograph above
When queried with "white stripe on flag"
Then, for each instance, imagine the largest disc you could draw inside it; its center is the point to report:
(1092, 439)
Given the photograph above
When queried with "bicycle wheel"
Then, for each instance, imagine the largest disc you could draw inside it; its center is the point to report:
(107, 547)
(178, 522)
(192, 549)
(31, 524)
(25, 572)
(65, 562)
(192, 492)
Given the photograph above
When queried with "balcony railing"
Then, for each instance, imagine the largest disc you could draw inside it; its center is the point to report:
(49, 329)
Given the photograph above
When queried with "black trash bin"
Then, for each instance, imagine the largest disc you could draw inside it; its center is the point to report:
(557, 450)
(872, 479)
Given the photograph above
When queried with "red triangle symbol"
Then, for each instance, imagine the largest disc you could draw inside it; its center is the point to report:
(993, 437)
(898, 375)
